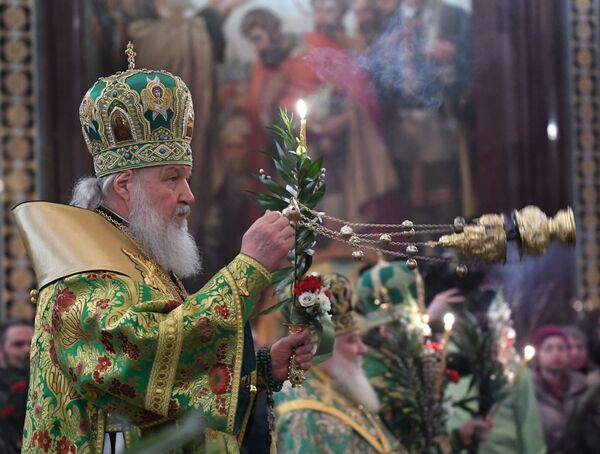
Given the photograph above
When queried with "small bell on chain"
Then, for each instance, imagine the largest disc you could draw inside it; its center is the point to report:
(358, 255)
(411, 264)
(385, 239)
(346, 231)
(411, 250)
(461, 270)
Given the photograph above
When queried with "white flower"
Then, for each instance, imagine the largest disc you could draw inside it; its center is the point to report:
(306, 299)
(323, 301)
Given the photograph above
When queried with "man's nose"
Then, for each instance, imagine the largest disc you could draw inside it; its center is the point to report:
(187, 196)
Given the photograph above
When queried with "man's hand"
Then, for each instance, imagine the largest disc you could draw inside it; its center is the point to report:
(268, 240)
(442, 302)
(472, 426)
(282, 350)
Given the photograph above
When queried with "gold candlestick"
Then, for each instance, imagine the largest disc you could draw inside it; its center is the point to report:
(448, 324)
(301, 107)
(295, 372)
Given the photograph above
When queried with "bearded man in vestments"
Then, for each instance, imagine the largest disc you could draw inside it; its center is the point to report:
(117, 337)
(335, 410)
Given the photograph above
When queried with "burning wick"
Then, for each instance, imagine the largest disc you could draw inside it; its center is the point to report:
(528, 354)
(301, 107)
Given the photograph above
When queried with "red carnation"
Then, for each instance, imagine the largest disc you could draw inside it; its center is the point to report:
(311, 284)
(453, 375)
(18, 386)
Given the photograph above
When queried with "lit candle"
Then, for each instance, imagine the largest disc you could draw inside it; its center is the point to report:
(301, 107)
(448, 324)
(528, 354)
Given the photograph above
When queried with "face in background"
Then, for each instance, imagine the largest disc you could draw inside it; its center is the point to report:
(14, 351)
(260, 39)
(553, 355)
(328, 15)
(578, 353)
(349, 347)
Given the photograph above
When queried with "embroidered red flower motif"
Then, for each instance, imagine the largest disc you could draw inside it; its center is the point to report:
(103, 363)
(18, 387)
(127, 390)
(308, 284)
(115, 387)
(53, 356)
(453, 375)
(106, 276)
(128, 348)
(65, 300)
(43, 440)
(64, 446)
(204, 329)
(56, 320)
(7, 411)
(222, 311)
(102, 304)
(171, 304)
(97, 378)
(90, 275)
(105, 338)
(219, 378)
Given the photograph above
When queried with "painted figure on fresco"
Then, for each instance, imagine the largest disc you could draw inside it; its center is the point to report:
(120, 348)
(342, 99)
(421, 65)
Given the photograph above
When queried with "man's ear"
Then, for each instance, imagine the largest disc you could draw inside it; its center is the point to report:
(122, 185)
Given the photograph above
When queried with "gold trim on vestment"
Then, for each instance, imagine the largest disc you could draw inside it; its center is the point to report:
(382, 446)
(164, 367)
(239, 350)
(256, 264)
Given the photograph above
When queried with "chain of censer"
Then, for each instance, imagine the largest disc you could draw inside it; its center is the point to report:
(322, 230)
(435, 228)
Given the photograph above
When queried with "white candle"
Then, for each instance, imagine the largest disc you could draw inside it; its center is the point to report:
(302, 109)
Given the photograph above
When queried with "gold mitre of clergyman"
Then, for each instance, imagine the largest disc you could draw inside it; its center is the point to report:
(137, 118)
(343, 303)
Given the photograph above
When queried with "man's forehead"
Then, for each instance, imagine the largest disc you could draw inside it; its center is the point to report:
(179, 168)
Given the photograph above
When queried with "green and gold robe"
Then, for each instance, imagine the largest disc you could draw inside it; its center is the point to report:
(115, 336)
(319, 418)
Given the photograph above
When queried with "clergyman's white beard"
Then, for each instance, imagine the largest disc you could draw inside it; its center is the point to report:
(170, 243)
(352, 379)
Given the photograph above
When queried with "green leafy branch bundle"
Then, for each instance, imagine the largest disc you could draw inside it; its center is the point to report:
(298, 178)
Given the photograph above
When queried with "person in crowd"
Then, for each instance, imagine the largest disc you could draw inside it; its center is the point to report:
(578, 352)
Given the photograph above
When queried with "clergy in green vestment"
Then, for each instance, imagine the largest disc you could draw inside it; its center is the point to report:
(335, 409)
(120, 347)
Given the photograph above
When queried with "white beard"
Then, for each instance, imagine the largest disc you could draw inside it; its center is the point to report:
(351, 378)
(169, 242)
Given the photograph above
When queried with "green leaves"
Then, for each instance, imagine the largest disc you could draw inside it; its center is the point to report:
(300, 178)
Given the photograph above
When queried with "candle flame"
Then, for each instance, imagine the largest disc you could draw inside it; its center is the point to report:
(528, 352)
(448, 321)
(302, 109)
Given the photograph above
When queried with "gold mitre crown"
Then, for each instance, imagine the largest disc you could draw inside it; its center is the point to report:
(137, 118)
(343, 302)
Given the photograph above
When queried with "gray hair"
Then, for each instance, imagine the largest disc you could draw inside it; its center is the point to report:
(90, 192)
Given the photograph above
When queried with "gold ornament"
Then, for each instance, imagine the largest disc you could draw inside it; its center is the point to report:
(33, 294)
(461, 270)
(354, 240)
(486, 239)
(412, 250)
(346, 231)
(385, 239)
(536, 230)
(295, 372)
(358, 255)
